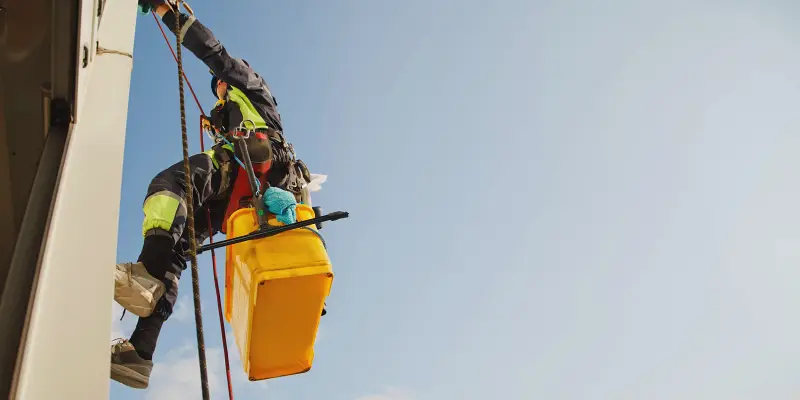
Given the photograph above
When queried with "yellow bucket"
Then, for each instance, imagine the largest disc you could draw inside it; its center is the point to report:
(275, 290)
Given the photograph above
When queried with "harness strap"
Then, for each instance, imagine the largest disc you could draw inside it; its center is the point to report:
(225, 172)
(223, 156)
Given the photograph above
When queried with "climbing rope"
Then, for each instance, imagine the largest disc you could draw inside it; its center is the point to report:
(198, 314)
(208, 212)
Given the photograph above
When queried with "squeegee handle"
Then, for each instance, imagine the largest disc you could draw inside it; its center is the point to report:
(274, 230)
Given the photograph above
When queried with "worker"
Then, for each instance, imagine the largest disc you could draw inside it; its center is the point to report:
(149, 287)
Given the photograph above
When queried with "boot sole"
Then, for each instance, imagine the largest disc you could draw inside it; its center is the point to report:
(129, 377)
(133, 296)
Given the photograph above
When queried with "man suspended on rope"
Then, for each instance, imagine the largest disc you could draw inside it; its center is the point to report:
(149, 287)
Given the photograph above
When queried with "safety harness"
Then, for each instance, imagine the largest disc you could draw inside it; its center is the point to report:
(272, 168)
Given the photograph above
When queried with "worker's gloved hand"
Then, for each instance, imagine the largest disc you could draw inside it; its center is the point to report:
(145, 6)
(282, 204)
(207, 125)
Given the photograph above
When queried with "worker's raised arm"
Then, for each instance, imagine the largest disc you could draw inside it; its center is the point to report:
(199, 40)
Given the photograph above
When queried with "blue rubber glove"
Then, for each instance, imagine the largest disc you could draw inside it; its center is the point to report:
(282, 204)
(145, 6)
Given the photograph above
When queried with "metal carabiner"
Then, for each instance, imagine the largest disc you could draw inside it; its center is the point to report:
(211, 132)
(186, 5)
(243, 128)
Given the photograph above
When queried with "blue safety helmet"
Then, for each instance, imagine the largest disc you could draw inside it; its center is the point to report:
(214, 78)
(214, 81)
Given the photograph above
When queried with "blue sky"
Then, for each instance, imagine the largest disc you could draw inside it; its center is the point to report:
(549, 199)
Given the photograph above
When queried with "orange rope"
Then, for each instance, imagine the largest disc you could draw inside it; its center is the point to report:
(216, 286)
(210, 236)
(199, 107)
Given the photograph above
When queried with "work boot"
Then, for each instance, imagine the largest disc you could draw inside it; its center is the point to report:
(127, 367)
(135, 289)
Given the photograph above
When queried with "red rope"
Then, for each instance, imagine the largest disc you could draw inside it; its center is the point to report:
(216, 286)
(199, 107)
(210, 237)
